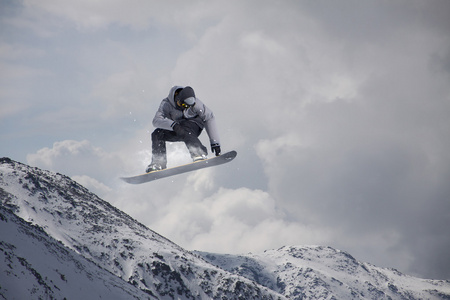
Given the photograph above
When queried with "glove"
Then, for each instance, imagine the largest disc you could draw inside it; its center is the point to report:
(178, 129)
(215, 148)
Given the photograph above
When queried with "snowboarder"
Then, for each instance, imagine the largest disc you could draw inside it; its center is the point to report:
(181, 117)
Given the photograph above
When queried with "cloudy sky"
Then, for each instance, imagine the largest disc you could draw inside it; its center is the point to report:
(339, 111)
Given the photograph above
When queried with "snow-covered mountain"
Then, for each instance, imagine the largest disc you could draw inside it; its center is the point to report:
(36, 266)
(108, 238)
(59, 241)
(316, 272)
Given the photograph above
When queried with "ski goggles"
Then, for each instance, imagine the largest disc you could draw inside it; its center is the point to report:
(188, 102)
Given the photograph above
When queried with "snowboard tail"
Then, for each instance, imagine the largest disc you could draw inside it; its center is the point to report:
(210, 162)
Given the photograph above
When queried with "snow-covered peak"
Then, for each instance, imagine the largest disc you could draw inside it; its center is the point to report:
(72, 232)
(33, 265)
(113, 240)
(317, 272)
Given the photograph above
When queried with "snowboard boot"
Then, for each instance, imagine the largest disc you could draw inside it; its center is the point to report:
(199, 157)
(153, 167)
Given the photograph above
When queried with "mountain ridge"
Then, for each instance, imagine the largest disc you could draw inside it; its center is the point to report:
(143, 263)
(39, 267)
(319, 266)
(105, 235)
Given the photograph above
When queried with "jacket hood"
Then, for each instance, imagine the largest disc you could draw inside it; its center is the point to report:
(172, 93)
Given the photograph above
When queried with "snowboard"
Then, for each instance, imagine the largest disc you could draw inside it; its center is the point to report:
(210, 162)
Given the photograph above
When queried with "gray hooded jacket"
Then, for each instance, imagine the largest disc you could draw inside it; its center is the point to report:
(168, 114)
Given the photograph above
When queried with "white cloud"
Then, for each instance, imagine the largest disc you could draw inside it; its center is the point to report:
(136, 14)
(230, 221)
(93, 185)
(121, 92)
(340, 120)
(78, 158)
(98, 14)
(15, 70)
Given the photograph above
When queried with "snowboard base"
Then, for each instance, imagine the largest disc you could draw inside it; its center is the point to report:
(210, 162)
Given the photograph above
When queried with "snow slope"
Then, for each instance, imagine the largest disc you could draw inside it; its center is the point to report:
(35, 266)
(316, 272)
(59, 241)
(114, 241)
